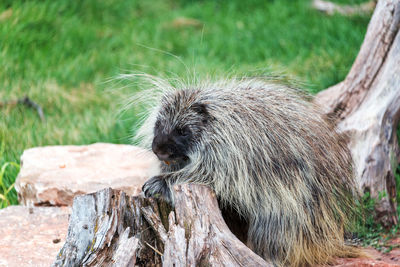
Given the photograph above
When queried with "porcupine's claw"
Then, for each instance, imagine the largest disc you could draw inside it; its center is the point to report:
(157, 187)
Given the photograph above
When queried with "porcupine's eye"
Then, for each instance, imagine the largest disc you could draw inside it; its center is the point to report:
(184, 132)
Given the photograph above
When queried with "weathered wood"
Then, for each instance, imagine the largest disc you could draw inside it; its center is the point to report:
(198, 234)
(331, 8)
(346, 97)
(107, 229)
(366, 106)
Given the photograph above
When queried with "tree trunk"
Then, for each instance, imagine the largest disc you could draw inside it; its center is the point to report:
(107, 229)
(366, 106)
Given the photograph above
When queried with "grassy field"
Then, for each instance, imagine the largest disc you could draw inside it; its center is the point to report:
(62, 53)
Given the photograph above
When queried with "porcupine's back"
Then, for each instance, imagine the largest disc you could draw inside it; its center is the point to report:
(284, 167)
(268, 153)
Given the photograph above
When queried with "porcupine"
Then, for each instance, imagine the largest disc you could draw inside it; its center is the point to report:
(268, 153)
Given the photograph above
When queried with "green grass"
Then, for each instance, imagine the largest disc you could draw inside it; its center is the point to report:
(8, 172)
(60, 53)
(370, 232)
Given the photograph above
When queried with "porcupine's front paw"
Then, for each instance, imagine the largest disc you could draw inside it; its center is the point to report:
(157, 187)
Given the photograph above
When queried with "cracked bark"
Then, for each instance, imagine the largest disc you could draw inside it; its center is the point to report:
(366, 106)
(109, 228)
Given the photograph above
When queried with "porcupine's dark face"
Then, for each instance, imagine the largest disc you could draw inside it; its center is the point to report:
(174, 138)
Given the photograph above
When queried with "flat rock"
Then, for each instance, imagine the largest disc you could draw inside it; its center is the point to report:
(375, 259)
(53, 175)
(31, 236)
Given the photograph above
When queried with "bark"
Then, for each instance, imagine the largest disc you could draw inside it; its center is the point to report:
(366, 106)
(109, 228)
(105, 228)
(347, 10)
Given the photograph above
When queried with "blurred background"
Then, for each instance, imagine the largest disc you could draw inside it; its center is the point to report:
(66, 55)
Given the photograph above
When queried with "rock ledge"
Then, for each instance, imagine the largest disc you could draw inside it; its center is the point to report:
(53, 175)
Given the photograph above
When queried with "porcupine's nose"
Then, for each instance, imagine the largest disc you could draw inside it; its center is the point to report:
(162, 156)
(159, 148)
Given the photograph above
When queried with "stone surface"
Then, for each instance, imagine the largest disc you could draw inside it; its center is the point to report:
(31, 236)
(53, 175)
(375, 259)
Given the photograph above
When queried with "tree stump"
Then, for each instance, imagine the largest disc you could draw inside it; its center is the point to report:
(109, 228)
(366, 106)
